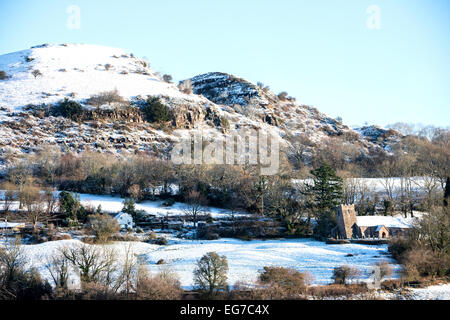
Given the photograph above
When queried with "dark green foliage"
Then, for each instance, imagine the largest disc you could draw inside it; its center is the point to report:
(71, 208)
(327, 189)
(155, 111)
(70, 109)
(326, 193)
(130, 208)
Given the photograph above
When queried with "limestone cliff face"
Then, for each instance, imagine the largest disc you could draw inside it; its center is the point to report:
(223, 88)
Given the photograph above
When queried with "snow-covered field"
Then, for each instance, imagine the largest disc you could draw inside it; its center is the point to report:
(115, 204)
(439, 292)
(245, 258)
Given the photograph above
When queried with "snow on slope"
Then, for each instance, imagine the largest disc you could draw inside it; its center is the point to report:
(80, 69)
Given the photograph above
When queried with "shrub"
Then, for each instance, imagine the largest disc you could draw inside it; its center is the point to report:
(286, 281)
(104, 226)
(224, 123)
(155, 111)
(186, 86)
(168, 202)
(343, 273)
(167, 78)
(282, 95)
(70, 109)
(36, 73)
(337, 290)
(106, 97)
(210, 274)
(163, 286)
(424, 262)
(160, 241)
(3, 75)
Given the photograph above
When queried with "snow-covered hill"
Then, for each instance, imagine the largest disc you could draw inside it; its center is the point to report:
(40, 77)
(82, 70)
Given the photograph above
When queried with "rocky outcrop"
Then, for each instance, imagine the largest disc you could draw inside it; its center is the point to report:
(223, 88)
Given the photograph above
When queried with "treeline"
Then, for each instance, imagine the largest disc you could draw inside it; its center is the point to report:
(237, 188)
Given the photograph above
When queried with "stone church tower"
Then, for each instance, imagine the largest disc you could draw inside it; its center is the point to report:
(345, 219)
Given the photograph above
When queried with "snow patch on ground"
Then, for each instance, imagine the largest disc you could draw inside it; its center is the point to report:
(439, 292)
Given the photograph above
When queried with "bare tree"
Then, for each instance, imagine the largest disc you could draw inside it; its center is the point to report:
(210, 274)
(58, 267)
(32, 199)
(194, 206)
(129, 271)
(92, 263)
(9, 196)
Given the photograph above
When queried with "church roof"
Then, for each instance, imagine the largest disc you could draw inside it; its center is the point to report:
(390, 222)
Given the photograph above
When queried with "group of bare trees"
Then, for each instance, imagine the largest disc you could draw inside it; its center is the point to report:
(35, 204)
(82, 271)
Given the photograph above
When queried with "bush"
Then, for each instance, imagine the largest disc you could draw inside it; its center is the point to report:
(155, 111)
(104, 226)
(185, 86)
(168, 202)
(286, 282)
(337, 290)
(36, 73)
(161, 241)
(343, 273)
(3, 75)
(167, 78)
(106, 97)
(163, 286)
(282, 95)
(70, 109)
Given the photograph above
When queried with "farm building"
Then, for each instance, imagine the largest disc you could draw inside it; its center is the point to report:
(124, 219)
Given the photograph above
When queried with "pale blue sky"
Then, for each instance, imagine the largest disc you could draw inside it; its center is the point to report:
(321, 52)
